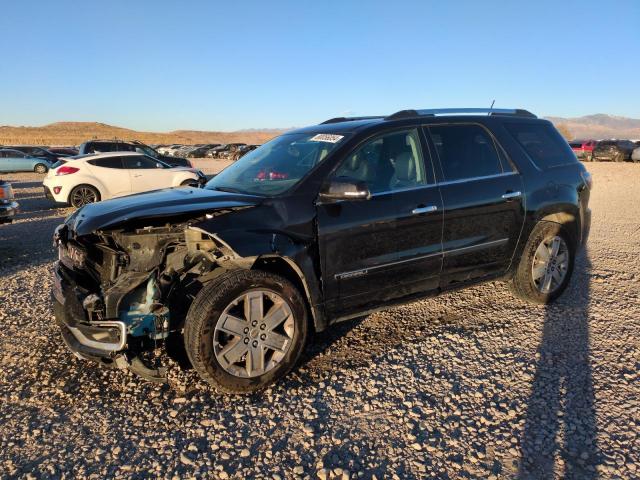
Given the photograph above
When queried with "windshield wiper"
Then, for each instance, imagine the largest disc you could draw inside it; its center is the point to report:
(228, 189)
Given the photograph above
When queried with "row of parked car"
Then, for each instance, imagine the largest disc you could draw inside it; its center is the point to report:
(606, 150)
(231, 151)
(97, 170)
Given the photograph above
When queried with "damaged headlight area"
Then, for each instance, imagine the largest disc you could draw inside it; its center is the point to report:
(123, 292)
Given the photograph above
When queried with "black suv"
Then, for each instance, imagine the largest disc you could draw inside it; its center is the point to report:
(613, 150)
(103, 146)
(319, 225)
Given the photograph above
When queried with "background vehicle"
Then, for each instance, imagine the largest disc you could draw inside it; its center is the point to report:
(281, 241)
(96, 177)
(8, 205)
(103, 146)
(613, 150)
(64, 151)
(225, 150)
(242, 150)
(35, 151)
(17, 161)
(583, 148)
(201, 150)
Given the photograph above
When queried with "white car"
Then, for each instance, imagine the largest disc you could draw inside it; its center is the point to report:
(99, 176)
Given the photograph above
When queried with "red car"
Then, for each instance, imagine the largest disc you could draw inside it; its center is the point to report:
(583, 148)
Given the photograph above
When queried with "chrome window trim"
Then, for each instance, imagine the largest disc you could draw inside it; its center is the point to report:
(364, 271)
(449, 182)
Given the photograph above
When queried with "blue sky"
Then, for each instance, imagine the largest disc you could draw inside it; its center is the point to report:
(164, 65)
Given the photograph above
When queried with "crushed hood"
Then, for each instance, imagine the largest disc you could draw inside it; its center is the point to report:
(159, 203)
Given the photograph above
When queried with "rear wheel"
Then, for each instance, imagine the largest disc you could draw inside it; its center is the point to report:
(189, 183)
(40, 168)
(546, 264)
(245, 330)
(83, 195)
(619, 157)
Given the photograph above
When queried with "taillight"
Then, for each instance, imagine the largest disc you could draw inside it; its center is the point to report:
(57, 190)
(66, 170)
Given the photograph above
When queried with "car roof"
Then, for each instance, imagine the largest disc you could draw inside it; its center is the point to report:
(110, 154)
(344, 125)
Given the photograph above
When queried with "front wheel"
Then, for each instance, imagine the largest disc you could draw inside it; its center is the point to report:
(245, 330)
(40, 168)
(619, 157)
(546, 264)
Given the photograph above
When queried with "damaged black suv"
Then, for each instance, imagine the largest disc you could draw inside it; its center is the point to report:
(319, 225)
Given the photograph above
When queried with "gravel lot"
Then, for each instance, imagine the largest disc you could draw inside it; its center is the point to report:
(472, 384)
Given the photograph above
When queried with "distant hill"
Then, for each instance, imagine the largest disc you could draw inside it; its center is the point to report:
(74, 133)
(600, 126)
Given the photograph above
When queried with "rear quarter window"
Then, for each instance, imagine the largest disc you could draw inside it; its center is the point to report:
(542, 143)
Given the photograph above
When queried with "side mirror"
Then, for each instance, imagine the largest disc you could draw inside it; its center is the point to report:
(343, 188)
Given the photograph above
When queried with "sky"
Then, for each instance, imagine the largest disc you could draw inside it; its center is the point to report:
(204, 65)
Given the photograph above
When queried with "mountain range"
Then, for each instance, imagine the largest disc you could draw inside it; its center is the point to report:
(600, 126)
(596, 126)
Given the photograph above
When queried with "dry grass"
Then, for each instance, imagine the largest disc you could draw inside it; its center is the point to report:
(74, 133)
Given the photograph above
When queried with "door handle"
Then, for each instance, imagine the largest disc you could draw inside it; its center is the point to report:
(508, 195)
(429, 209)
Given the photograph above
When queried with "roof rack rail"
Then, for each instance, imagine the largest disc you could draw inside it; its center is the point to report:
(350, 119)
(431, 112)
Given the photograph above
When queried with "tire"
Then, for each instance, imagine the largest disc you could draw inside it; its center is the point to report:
(189, 183)
(619, 157)
(83, 195)
(207, 322)
(40, 168)
(524, 284)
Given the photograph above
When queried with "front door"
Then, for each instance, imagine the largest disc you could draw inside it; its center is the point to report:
(483, 203)
(146, 174)
(382, 249)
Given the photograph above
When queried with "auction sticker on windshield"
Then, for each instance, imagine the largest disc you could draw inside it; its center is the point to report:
(327, 137)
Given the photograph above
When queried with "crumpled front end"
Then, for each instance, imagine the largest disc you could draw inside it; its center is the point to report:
(123, 292)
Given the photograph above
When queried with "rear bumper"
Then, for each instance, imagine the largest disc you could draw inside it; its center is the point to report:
(8, 210)
(91, 340)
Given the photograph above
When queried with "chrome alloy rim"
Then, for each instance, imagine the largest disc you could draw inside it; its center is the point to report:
(253, 334)
(550, 264)
(82, 196)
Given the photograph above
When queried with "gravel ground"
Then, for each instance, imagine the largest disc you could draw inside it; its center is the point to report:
(473, 384)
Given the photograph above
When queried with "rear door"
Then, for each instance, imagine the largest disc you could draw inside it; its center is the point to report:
(146, 173)
(110, 172)
(483, 197)
(378, 250)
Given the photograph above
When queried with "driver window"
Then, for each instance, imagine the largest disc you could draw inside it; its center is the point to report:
(139, 162)
(389, 162)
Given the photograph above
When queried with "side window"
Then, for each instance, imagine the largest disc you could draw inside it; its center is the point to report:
(389, 162)
(111, 162)
(139, 162)
(465, 151)
(544, 145)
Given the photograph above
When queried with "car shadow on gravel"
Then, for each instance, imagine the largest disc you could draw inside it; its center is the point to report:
(559, 437)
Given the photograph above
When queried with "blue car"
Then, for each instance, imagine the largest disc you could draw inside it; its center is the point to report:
(16, 161)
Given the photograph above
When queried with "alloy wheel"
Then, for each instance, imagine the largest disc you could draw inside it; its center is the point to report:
(82, 196)
(254, 333)
(550, 264)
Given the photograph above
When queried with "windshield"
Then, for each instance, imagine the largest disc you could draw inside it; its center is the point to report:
(277, 165)
(140, 148)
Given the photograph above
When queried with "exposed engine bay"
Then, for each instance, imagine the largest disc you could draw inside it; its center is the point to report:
(138, 281)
